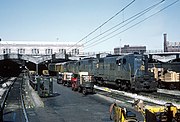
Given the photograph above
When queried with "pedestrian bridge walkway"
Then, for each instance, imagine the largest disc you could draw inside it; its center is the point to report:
(37, 59)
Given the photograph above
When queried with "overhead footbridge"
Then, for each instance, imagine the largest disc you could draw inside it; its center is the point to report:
(16, 62)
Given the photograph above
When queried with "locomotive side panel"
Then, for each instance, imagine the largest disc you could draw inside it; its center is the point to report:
(125, 67)
(100, 68)
(109, 69)
(127, 72)
(71, 66)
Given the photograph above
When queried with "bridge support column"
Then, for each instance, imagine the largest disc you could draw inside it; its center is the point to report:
(37, 69)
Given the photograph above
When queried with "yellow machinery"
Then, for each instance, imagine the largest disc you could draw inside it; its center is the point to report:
(31, 72)
(119, 114)
(45, 72)
(166, 113)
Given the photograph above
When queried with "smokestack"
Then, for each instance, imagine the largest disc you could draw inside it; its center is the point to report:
(165, 43)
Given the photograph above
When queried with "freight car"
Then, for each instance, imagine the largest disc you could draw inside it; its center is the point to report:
(167, 79)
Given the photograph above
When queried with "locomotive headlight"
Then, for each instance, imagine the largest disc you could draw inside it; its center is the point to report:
(142, 67)
(97, 65)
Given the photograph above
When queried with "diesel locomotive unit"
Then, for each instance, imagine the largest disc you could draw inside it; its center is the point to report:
(125, 72)
(87, 65)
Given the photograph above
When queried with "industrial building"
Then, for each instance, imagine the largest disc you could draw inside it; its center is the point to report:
(171, 46)
(130, 49)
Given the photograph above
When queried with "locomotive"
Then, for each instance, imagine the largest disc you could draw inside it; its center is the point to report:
(125, 72)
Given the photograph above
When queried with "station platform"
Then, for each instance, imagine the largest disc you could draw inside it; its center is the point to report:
(68, 106)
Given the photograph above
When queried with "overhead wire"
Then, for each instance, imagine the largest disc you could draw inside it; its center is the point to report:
(135, 24)
(136, 16)
(104, 23)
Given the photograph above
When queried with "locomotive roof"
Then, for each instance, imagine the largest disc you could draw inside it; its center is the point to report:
(112, 55)
(129, 54)
(88, 58)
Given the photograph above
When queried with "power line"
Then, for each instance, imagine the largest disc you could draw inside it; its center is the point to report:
(135, 23)
(136, 16)
(104, 23)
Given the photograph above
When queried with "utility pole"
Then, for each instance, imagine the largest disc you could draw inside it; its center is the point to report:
(120, 46)
(0, 47)
(165, 43)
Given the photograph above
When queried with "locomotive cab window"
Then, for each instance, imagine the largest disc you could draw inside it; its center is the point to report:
(118, 62)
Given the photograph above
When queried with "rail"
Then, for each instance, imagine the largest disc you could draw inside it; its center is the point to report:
(22, 102)
(4, 101)
(129, 97)
(5, 97)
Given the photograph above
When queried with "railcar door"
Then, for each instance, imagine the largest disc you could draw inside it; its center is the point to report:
(138, 63)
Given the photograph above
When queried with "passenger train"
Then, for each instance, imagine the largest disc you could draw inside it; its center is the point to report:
(125, 72)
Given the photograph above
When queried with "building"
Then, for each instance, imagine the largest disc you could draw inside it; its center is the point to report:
(130, 49)
(39, 47)
(171, 46)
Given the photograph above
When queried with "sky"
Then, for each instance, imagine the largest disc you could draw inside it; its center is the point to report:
(72, 20)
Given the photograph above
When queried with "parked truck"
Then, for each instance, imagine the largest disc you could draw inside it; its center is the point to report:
(85, 83)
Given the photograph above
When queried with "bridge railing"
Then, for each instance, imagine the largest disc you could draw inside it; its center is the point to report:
(154, 51)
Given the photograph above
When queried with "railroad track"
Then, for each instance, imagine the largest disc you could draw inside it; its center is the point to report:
(148, 98)
(170, 92)
(163, 96)
(12, 103)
